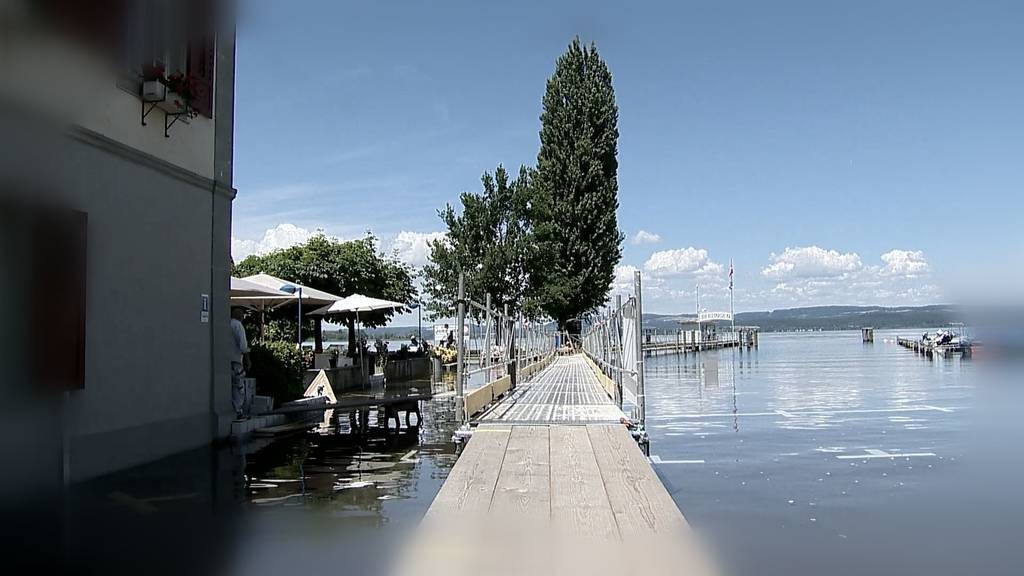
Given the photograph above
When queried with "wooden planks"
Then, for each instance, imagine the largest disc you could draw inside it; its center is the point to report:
(470, 485)
(548, 484)
(579, 503)
(588, 480)
(523, 490)
(637, 497)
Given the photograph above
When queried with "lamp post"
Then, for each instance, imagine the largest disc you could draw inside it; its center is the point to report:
(292, 289)
(418, 305)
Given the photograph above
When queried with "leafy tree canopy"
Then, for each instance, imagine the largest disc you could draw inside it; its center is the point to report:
(340, 268)
(494, 242)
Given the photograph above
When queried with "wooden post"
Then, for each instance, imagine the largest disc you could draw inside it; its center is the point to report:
(318, 334)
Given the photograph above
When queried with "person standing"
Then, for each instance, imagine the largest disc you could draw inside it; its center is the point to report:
(239, 362)
(449, 339)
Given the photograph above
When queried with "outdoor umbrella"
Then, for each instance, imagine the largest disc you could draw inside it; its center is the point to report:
(242, 289)
(285, 292)
(357, 303)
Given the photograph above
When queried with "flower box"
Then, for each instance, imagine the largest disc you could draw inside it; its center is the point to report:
(153, 91)
(173, 103)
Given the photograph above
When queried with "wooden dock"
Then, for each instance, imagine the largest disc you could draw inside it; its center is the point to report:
(552, 482)
(932, 350)
(668, 347)
(691, 341)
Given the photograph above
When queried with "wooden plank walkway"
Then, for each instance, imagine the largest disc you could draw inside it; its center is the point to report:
(554, 491)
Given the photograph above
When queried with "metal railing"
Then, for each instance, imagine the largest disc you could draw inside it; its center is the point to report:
(614, 342)
(495, 343)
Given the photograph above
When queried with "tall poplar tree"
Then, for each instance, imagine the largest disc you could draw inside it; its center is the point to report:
(577, 174)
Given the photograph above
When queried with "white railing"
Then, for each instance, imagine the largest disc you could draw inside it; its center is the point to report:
(613, 341)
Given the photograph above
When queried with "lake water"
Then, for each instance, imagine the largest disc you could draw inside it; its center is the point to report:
(818, 454)
(815, 454)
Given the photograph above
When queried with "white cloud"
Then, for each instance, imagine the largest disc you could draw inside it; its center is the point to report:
(909, 263)
(282, 236)
(814, 276)
(413, 248)
(645, 237)
(811, 262)
(681, 262)
(623, 281)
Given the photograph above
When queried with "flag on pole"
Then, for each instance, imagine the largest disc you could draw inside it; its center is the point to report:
(730, 273)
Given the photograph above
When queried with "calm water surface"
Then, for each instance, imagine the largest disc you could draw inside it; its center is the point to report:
(815, 454)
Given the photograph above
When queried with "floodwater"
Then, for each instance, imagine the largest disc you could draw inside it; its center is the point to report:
(815, 454)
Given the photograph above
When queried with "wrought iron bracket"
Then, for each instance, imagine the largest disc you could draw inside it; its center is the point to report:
(170, 120)
(145, 112)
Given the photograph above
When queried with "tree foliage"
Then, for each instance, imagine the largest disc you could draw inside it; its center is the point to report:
(548, 241)
(494, 242)
(339, 268)
(278, 369)
(577, 169)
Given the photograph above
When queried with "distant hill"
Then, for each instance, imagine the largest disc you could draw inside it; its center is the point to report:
(386, 332)
(786, 320)
(831, 318)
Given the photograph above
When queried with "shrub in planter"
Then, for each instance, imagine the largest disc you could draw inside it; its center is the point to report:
(278, 369)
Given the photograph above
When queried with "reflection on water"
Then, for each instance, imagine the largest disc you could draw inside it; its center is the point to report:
(342, 497)
(330, 499)
(815, 454)
(819, 454)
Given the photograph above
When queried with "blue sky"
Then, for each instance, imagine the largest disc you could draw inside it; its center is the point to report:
(803, 139)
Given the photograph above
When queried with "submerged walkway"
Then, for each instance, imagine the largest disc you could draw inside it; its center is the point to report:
(552, 483)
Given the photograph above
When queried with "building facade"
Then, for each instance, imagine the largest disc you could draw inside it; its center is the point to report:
(116, 232)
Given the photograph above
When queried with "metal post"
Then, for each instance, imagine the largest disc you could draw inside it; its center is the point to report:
(700, 331)
(640, 400)
(460, 371)
(505, 336)
(486, 352)
(300, 318)
(617, 348)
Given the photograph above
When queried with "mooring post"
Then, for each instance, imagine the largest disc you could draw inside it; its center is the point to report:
(640, 400)
(460, 363)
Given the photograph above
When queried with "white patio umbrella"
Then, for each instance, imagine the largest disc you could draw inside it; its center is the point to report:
(357, 303)
(285, 292)
(242, 289)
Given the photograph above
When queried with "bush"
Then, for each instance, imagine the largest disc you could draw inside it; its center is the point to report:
(278, 369)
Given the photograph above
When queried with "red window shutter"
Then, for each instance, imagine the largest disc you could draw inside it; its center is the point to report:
(202, 53)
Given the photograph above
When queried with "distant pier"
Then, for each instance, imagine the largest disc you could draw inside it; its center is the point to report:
(693, 341)
(935, 350)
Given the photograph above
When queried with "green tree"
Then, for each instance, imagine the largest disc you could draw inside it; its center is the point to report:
(493, 241)
(340, 268)
(577, 170)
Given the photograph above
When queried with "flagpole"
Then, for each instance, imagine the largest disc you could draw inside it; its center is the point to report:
(700, 331)
(732, 311)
